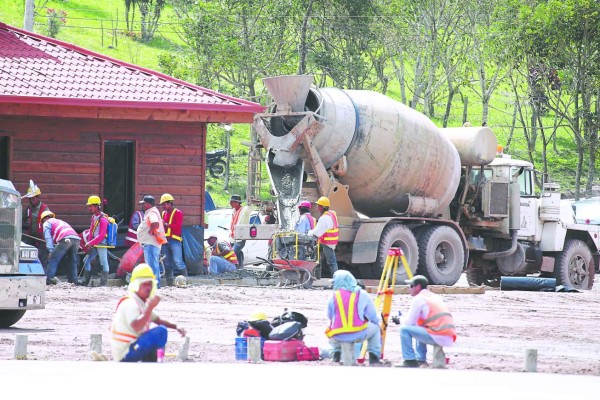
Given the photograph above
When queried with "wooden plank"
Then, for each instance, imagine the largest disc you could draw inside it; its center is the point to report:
(163, 180)
(22, 179)
(180, 170)
(56, 156)
(173, 160)
(53, 146)
(439, 289)
(54, 167)
(176, 191)
(183, 150)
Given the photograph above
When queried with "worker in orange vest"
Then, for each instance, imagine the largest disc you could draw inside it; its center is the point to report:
(236, 203)
(32, 222)
(327, 231)
(428, 322)
(223, 258)
(173, 249)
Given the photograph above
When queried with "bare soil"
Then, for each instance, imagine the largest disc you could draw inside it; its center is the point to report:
(494, 329)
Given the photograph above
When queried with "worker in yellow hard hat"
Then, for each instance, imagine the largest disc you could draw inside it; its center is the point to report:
(173, 249)
(94, 241)
(132, 340)
(33, 232)
(326, 231)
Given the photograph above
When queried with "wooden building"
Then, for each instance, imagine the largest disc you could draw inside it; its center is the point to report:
(79, 123)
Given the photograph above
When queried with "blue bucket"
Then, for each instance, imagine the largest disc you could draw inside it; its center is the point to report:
(241, 348)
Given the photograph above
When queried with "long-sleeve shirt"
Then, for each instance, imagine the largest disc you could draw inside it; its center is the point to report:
(303, 224)
(98, 229)
(419, 310)
(324, 224)
(366, 311)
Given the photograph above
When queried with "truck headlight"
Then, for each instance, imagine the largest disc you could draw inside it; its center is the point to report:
(3, 258)
(29, 254)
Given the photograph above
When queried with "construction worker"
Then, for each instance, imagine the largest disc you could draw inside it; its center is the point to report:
(151, 234)
(61, 241)
(134, 222)
(32, 222)
(306, 221)
(173, 249)
(353, 317)
(428, 322)
(132, 338)
(327, 232)
(223, 258)
(94, 242)
(238, 218)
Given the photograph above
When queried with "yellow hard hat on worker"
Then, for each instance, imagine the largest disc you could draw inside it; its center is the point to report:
(47, 213)
(323, 201)
(140, 274)
(93, 201)
(166, 197)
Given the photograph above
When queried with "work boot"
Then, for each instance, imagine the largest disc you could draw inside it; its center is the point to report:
(374, 360)
(103, 278)
(85, 279)
(170, 281)
(408, 364)
(337, 356)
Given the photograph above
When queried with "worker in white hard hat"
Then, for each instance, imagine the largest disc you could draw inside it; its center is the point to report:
(132, 338)
(327, 232)
(173, 249)
(33, 232)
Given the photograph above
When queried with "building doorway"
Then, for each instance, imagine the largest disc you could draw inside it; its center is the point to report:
(4, 159)
(119, 185)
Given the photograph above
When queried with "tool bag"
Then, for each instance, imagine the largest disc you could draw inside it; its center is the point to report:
(289, 316)
(287, 331)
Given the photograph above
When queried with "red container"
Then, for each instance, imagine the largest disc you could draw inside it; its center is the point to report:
(281, 350)
(304, 353)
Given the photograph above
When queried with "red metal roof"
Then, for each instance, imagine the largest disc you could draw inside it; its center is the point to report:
(35, 69)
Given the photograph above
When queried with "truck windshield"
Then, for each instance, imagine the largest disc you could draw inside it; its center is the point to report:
(525, 181)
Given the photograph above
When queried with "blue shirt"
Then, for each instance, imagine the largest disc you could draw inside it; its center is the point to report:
(303, 224)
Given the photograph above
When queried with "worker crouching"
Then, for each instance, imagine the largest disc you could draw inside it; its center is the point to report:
(353, 317)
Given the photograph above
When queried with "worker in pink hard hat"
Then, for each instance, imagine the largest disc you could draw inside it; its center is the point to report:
(306, 221)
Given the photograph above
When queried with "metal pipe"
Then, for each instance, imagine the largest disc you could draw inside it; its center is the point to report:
(505, 253)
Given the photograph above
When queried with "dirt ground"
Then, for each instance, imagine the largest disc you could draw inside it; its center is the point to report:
(494, 329)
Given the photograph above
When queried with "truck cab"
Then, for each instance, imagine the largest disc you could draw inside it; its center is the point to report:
(22, 277)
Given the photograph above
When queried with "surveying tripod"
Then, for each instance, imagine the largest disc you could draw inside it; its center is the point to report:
(385, 291)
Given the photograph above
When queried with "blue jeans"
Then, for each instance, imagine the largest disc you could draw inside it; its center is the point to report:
(155, 338)
(372, 335)
(102, 253)
(218, 265)
(67, 247)
(151, 254)
(421, 336)
(328, 254)
(173, 252)
(237, 249)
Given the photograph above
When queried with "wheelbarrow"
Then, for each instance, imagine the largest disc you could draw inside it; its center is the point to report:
(295, 272)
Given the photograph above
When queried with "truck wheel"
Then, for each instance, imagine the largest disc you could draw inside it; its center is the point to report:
(10, 317)
(476, 277)
(217, 169)
(575, 265)
(393, 236)
(441, 255)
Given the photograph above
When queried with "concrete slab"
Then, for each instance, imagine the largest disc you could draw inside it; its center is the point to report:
(188, 380)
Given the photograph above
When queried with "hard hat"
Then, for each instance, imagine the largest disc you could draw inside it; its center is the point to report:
(180, 281)
(305, 204)
(142, 271)
(32, 190)
(323, 201)
(93, 200)
(47, 213)
(258, 316)
(147, 199)
(166, 197)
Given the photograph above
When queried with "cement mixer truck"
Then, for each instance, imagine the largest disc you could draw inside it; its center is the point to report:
(397, 180)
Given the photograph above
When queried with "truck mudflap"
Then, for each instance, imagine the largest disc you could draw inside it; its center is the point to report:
(20, 292)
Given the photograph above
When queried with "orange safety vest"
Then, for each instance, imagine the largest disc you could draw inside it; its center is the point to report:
(160, 231)
(439, 320)
(346, 318)
(311, 220)
(234, 220)
(231, 257)
(331, 236)
(229, 254)
(37, 229)
(170, 233)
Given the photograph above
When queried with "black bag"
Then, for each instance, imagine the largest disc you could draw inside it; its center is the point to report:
(289, 316)
(287, 331)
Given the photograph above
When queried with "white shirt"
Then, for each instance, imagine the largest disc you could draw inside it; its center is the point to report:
(419, 309)
(127, 312)
(151, 215)
(324, 224)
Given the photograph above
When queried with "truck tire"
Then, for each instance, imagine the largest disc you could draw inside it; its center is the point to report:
(393, 236)
(441, 255)
(10, 317)
(575, 265)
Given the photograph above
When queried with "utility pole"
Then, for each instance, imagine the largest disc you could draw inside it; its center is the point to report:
(28, 19)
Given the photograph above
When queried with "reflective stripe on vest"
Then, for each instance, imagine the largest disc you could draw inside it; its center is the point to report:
(39, 232)
(123, 336)
(311, 220)
(231, 257)
(331, 236)
(346, 321)
(60, 229)
(168, 233)
(439, 320)
(131, 235)
(234, 220)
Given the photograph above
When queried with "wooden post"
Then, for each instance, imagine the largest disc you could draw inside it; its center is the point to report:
(96, 342)
(254, 350)
(531, 360)
(183, 350)
(21, 347)
(28, 17)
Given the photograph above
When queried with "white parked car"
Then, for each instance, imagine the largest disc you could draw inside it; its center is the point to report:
(219, 222)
